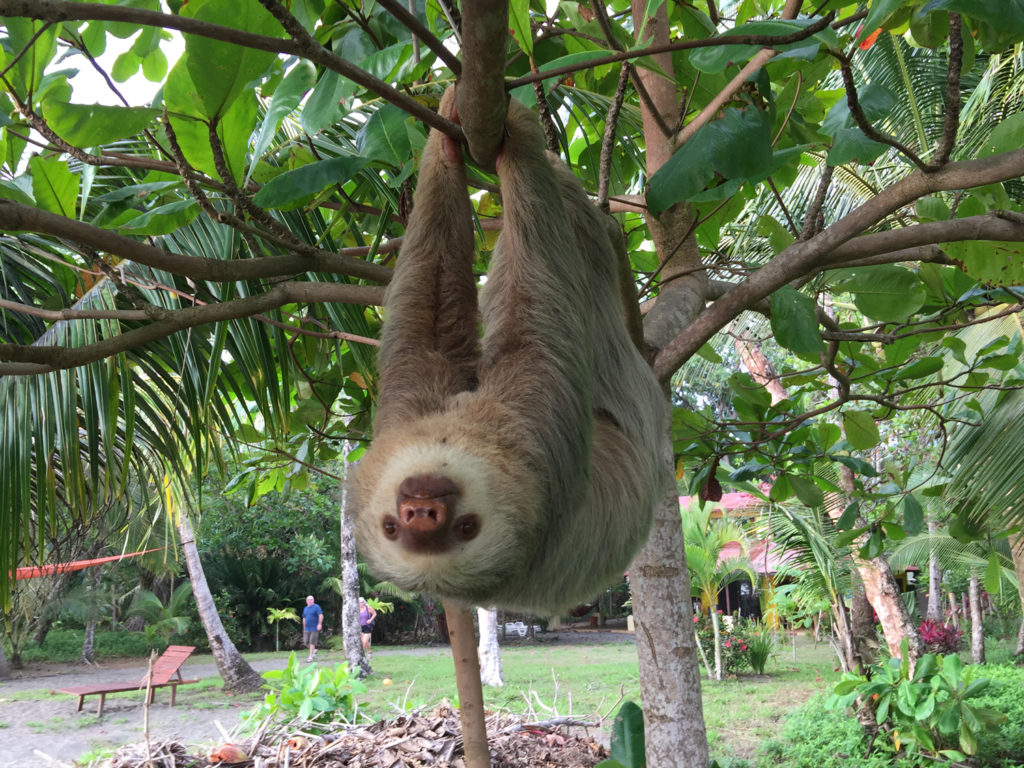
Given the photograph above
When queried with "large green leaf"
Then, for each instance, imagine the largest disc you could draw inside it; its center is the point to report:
(628, 743)
(286, 98)
(795, 323)
(54, 186)
(736, 146)
(860, 429)
(222, 71)
(90, 125)
(293, 186)
(887, 292)
(989, 261)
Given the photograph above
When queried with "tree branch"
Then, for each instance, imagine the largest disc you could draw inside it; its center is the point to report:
(802, 257)
(683, 45)
(33, 359)
(481, 98)
(15, 216)
(302, 43)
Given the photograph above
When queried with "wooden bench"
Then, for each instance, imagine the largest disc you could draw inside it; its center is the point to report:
(166, 674)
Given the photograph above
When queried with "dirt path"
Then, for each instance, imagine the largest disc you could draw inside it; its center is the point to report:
(39, 727)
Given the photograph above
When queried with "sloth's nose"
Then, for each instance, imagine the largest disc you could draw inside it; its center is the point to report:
(422, 514)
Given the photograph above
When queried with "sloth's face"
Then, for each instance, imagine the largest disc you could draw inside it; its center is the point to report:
(438, 516)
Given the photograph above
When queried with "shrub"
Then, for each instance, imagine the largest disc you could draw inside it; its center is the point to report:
(760, 645)
(940, 638)
(928, 711)
(309, 692)
(734, 644)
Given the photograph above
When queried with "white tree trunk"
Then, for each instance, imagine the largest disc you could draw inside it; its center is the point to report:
(354, 654)
(1017, 553)
(490, 656)
(934, 611)
(238, 676)
(977, 626)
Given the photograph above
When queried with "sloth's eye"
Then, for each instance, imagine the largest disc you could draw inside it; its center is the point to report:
(467, 527)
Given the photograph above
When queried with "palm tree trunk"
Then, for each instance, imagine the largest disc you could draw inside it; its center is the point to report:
(977, 626)
(238, 676)
(89, 641)
(934, 612)
(716, 631)
(358, 664)
(1017, 553)
(354, 654)
(5, 667)
(490, 657)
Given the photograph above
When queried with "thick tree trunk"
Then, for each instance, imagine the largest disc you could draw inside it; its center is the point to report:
(1017, 553)
(934, 611)
(669, 671)
(490, 656)
(238, 676)
(977, 625)
(358, 664)
(862, 625)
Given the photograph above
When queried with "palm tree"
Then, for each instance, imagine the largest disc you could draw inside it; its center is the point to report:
(711, 569)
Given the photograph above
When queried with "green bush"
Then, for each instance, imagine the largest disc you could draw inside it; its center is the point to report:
(817, 737)
(65, 645)
(309, 692)
(928, 711)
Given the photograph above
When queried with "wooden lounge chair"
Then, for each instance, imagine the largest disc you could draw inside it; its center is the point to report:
(166, 673)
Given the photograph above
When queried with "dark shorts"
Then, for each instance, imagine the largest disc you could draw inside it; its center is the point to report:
(366, 628)
(310, 637)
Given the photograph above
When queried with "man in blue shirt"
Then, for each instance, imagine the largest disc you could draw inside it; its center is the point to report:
(312, 623)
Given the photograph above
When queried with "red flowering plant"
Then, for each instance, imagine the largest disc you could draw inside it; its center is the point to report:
(735, 658)
(940, 638)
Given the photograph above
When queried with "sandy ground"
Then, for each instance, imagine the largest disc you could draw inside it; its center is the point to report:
(40, 728)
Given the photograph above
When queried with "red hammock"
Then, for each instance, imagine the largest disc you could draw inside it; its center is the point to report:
(34, 571)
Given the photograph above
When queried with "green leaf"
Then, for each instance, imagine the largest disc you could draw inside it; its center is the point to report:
(1007, 15)
(913, 515)
(919, 369)
(794, 322)
(89, 125)
(807, 491)
(222, 71)
(879, 12)
(286, 98)
(39, 41)
(385, 138)
(738, 145)
(859, 466)
(874, 546)
(886, 292)
(860, 429)
(993, 575)
(322, 107)
(849, 517)
(54, 186)
(293, 186)
(989, 261)
(627, 743)
(163, 219)
(519, 25)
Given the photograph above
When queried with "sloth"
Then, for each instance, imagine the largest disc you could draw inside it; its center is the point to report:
(520, 470)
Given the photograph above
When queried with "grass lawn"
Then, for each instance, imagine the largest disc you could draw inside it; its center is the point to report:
(589, 681)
